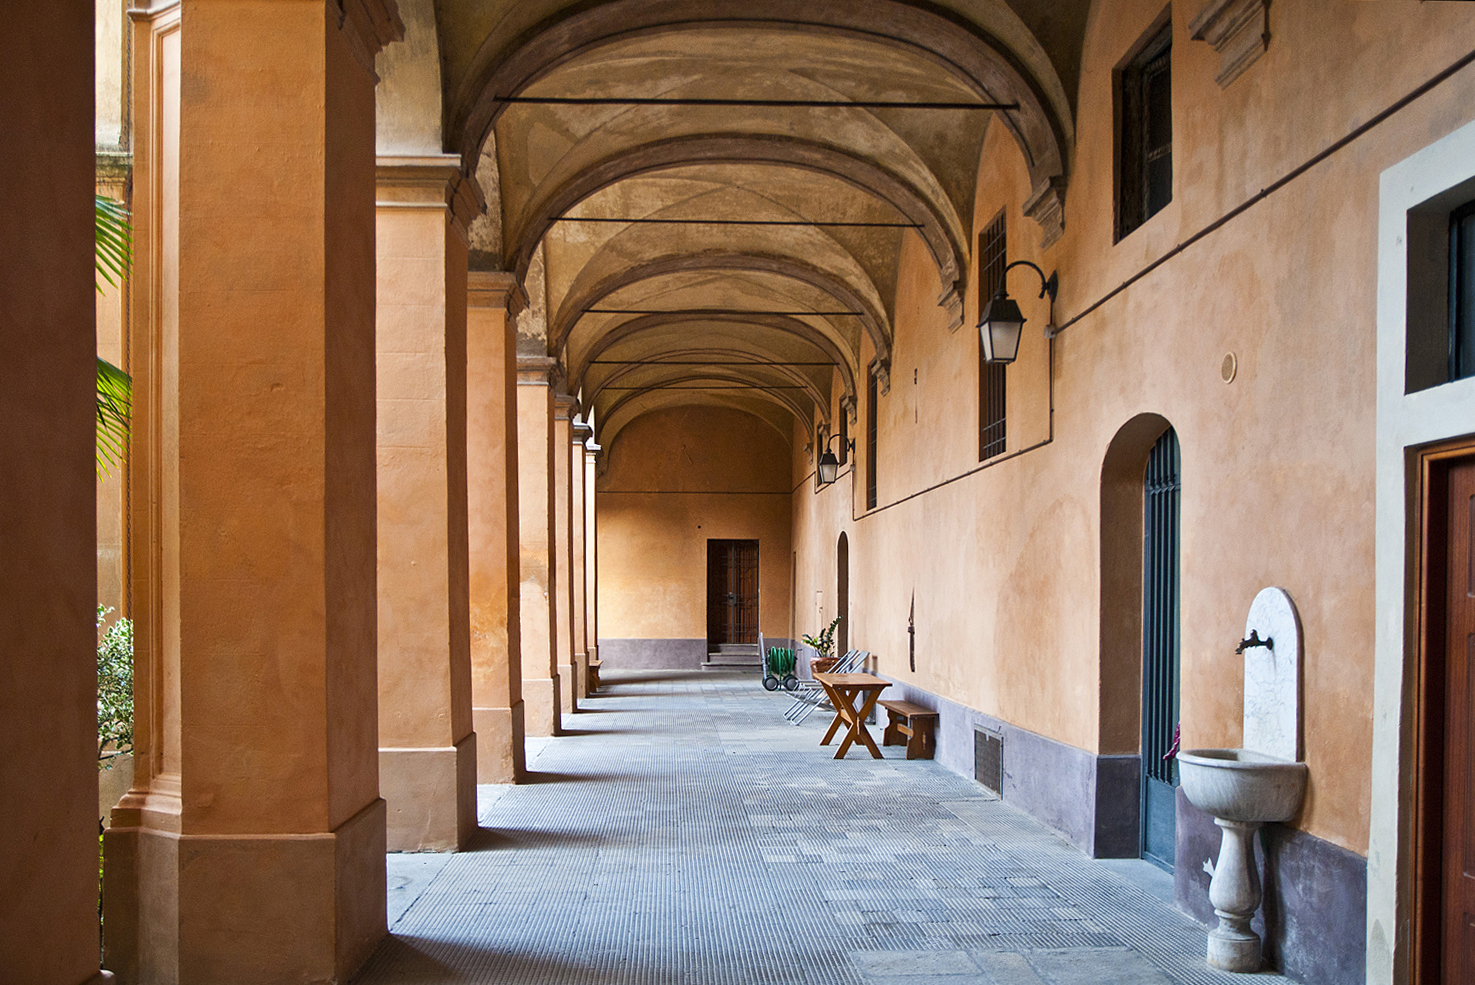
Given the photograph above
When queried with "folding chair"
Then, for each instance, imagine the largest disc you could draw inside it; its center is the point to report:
(811, 695)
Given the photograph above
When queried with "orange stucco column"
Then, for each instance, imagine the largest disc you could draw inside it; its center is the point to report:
(538, 574)
(591, 548)
(578, 516)
(48, 584)
(491, 462)
(565, 408)
(251, 847)
(427, 750)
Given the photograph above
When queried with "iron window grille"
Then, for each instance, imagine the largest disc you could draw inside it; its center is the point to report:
(1462, 292)
(993, 259)
(1145, 166)
(871, 429)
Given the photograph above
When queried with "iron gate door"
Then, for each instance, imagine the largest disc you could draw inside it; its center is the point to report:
(732, 591)
(1160, 649)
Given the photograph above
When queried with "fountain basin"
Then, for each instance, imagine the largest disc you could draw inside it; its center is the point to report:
(1241, 784)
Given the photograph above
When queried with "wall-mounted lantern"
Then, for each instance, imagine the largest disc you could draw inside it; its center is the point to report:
(829, 464)
(1001, 323)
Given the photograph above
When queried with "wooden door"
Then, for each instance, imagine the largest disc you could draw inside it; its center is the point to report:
(1458, 904)
(732, 591)
(1160, 650)
(842, 593)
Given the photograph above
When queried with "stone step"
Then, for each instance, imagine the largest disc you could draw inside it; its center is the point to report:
(717, 661)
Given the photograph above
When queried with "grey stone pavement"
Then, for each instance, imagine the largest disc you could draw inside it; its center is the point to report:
(685, 834)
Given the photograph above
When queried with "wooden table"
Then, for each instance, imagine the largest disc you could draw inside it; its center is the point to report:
(843, 690)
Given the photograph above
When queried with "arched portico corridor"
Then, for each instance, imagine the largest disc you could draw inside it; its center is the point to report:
(686, 833)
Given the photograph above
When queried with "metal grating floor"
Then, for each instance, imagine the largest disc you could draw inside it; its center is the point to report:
(685, 834)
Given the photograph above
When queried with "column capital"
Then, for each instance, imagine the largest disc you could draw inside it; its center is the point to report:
(142, 11)
(433, 181)
(369, 25)
(491, 289)
(535, 370)
(583, 431)
(565, 406)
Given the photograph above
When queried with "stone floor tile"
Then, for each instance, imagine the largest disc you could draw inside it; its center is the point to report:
(685, 835)
(897, 964)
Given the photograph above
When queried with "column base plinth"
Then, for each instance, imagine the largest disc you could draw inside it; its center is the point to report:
(431, 796)
(196, 908)
(501, 756)
(542, 712)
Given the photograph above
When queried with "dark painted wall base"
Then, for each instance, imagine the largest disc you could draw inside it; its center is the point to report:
(1315, 894)
(1092, 800)
(1315, 897)
(631, 654)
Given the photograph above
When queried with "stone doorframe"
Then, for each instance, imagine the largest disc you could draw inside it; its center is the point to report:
(1409, 424)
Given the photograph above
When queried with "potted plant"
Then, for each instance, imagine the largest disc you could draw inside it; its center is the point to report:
(824, 645)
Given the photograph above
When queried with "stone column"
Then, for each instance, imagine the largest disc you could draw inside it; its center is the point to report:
(591, 547)
(492, 493)
(48, 584)
(251, 847)
(538, 585)
(565, 408)
(578, 517)
(427, 750)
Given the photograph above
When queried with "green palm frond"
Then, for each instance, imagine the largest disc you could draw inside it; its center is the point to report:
(114, 258)
(114, 242)
(114, 410)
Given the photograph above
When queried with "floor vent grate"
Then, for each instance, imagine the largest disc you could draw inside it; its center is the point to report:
(988, 760)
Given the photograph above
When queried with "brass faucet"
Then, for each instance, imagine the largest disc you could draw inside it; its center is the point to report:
(1254, 641)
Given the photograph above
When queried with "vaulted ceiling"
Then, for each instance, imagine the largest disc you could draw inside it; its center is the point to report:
(706, 246)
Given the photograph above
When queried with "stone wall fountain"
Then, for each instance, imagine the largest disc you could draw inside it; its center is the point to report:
(1260, 783)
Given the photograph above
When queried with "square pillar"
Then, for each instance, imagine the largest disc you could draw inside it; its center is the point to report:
(48, 585)
(251, 846)
(497, 712)
(427, 749)
(565, 408)
(591, 552)
(538, 576)
(577, 516)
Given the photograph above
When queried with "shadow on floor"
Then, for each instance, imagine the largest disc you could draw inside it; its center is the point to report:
(591, 731)
(501, 839)
(539, 776)
(405, 960)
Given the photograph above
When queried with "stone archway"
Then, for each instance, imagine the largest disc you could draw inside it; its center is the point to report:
(1120, 614)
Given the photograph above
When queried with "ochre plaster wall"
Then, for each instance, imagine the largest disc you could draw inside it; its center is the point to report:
(48, 857)
(255, 812)
(492, 526)
(1278, 466)
(677, 478)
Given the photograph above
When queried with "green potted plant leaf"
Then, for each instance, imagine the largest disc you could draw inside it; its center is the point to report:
(824, 645)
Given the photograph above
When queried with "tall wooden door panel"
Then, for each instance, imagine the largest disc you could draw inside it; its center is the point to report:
(1160, 650)
(1458, 936)
(732, 591)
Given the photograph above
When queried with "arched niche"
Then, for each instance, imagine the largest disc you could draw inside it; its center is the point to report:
(1121, 583)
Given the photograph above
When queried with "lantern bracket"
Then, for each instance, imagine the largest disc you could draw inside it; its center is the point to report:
(1048, 285)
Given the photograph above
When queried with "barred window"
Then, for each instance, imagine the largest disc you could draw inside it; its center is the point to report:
(871, 430)
(993, 257)
(1145, 164)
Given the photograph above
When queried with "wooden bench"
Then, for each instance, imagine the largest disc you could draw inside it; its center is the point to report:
(593, 676)
(914, 722)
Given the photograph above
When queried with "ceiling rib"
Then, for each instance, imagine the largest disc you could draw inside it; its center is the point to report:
(708, 312)
(756, 103)
(700, 362)
(740, 222)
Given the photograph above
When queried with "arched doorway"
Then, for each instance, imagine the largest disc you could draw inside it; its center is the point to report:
(1161, 657)
(842, 594)
(1139, 673)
